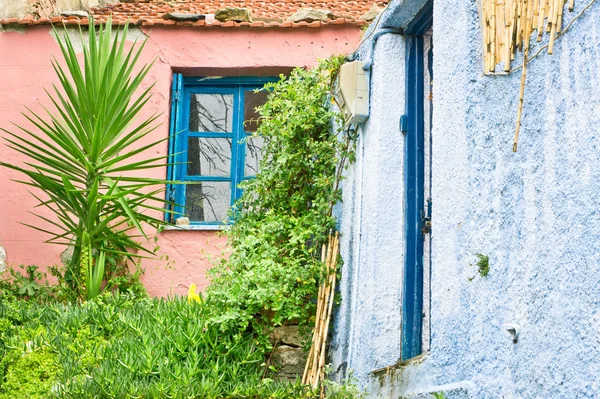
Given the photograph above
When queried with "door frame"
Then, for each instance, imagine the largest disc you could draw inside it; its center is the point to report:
(414, 180)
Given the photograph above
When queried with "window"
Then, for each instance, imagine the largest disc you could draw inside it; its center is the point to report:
(212, 121)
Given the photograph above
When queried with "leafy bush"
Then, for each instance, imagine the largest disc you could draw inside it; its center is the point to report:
(116, 347)
(285, 214)
(30, 374)
(31, 285)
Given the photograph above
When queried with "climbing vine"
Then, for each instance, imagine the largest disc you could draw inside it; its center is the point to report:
(285, 213)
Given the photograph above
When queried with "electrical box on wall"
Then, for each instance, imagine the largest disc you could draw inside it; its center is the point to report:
(352, 92)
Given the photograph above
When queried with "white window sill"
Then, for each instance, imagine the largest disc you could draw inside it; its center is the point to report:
(196, 227)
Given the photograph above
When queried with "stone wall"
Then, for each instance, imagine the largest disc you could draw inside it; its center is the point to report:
(289, 355)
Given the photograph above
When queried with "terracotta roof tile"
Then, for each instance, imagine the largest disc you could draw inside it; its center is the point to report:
(151, 12)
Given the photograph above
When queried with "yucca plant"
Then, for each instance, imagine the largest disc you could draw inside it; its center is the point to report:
(84, 158)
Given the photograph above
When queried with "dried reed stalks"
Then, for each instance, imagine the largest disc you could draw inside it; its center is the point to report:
(314, 372)
(508, 26)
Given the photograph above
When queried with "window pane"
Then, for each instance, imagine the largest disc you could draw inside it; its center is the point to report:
(207, 201)
(211, 113)
(209, 157)
(251, 101)
(253, 155)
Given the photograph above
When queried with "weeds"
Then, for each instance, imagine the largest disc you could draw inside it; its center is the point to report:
(116, 347)
(483, 266)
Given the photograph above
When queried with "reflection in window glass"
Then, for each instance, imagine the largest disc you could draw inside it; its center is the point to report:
(209, 157)
(211, 113)
(207, 201)
(251, 101)
(253, 155)
(213, 148)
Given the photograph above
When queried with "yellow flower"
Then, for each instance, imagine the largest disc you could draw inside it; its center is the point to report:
(192, 296)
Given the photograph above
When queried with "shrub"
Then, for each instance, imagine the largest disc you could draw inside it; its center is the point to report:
(285, 214)
(30, 374)
(116, 347)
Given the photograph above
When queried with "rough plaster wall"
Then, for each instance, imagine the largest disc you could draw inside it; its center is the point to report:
(534, 213)
(25, 70)
(46, 8)
(372, 228)
(78, 37)
(81, 5)
(14, 8)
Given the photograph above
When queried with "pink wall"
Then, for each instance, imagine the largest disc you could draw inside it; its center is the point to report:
(25, 71)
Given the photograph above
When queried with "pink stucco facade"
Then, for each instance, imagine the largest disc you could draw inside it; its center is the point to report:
(25, 71)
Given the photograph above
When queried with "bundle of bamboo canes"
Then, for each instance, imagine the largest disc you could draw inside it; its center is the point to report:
(314, 372)
(508, 26)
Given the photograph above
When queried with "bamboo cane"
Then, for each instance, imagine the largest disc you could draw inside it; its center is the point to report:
(493, 35)
(571, 5)
(486, 36)
(530, 19)
(497, 29)
(551, 5)
(500, 30)
(514, 34)
(314, 371)
(330, 301)
(319, 322)
(507, 37)
(480, 7)
(314, 375)
(559, 19)
(536, 13)
(307, 368)
(555, 11)
(540, 22)
(519, 35)
(522, 89)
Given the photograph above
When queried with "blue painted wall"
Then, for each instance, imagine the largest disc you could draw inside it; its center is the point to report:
(536, 214)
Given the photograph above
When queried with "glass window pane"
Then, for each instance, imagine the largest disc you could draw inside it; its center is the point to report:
(207, 201)
(251, 101)
(211, 113)
(209, 157)
(253, 155)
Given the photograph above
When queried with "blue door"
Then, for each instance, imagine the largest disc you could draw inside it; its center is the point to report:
(417, 180)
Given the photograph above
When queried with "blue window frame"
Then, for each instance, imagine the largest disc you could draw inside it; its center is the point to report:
(212, 122)
(416, 210)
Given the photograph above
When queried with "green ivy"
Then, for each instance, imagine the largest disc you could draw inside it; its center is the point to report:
(285, 213)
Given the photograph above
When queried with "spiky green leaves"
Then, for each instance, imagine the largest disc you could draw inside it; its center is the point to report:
(85, 156)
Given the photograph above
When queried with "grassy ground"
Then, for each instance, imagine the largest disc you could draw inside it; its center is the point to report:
(115, 347)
